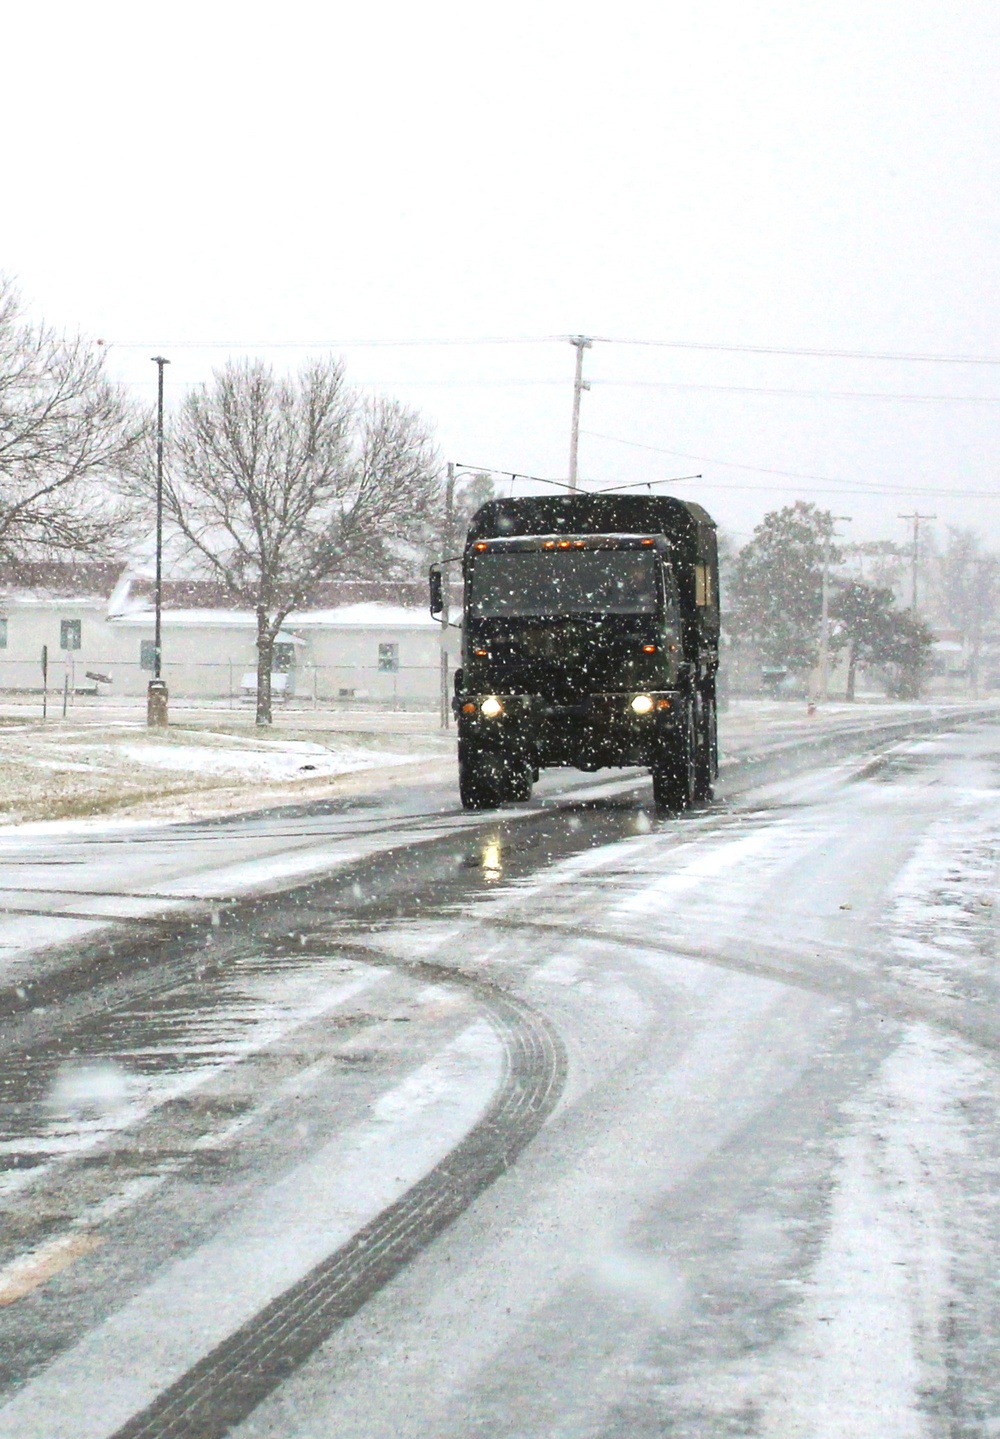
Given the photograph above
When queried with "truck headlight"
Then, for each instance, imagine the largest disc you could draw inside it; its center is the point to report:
(642, 704)
(491, 707)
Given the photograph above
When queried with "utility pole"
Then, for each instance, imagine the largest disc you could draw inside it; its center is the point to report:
(916, 518)
(824, 628)
(581, 343)
(156, 695)
(449, 511)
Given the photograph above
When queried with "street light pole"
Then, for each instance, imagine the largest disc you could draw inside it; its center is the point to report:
(824, 630)
(579, 385)
(156, 697)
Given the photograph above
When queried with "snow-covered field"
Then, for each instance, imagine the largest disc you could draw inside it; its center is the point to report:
(68, 769)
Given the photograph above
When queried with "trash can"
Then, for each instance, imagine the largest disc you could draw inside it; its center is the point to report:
(156, 704)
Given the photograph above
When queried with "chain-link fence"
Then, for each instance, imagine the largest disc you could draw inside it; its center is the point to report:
(400, 686)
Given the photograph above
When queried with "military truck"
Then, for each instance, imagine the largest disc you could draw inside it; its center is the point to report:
(590, 638)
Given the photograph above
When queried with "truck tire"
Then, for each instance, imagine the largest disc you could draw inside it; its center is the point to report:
(706, 748)
(480, 778)
(519, 780)
(675, 769)
(486, 778)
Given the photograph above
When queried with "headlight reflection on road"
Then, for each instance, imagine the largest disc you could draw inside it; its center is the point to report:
(492, 860)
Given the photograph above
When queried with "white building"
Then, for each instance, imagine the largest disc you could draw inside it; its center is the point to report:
(364, 640)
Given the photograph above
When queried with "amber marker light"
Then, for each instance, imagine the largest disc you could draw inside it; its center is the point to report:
(548, 544)
(564, 544)
(468, 709)
(649, 649)
(662, 704)
(481, 545)
(481, 653)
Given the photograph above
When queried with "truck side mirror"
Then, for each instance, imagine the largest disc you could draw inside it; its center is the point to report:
(437, 590)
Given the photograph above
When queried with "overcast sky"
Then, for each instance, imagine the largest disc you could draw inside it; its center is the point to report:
(199, 180)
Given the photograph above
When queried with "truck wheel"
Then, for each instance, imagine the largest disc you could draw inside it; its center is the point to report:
(520, 777)
(480, 779)
(674, 772)
(706, 765)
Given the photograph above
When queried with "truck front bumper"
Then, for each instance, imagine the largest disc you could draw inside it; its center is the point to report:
(619, 728)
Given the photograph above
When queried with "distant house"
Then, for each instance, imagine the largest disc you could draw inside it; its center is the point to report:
(362, 640)
(948, 654)
(58, 609)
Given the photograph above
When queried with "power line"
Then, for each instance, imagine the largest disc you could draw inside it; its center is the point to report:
(329, 344)
(845, 487)
(925, 359)
(514, 475)
(448, 340)
(539, 382)
(800, 394)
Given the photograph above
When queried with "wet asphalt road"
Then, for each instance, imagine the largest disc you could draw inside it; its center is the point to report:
(533, 1123)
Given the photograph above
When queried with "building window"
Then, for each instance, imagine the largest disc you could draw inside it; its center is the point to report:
(69, 634)
(388, 658)
(283, 658)
(3, 634)
(147, 655)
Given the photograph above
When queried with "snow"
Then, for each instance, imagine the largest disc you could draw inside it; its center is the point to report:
(239, 619)
(365, 616)
(866, 1353)
(123, 1363)
(838, 876)
(831, 879)
(359, 616)
(61, 768)
(89, 1102)
(944, 901)
(280, 760)
(41, 598)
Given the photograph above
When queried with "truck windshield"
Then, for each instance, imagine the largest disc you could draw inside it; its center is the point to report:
(563, 582)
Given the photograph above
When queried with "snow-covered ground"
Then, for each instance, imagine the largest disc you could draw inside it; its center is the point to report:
(766, 1204)
(65, 769)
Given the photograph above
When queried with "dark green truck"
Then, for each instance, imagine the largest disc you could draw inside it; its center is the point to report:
(590, 637)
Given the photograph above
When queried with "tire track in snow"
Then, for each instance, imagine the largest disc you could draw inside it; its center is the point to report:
(831, 977)
(229, 1382)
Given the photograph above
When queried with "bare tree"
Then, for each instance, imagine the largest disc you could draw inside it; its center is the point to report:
(66, 433)
(392, 490)
(279, 483)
